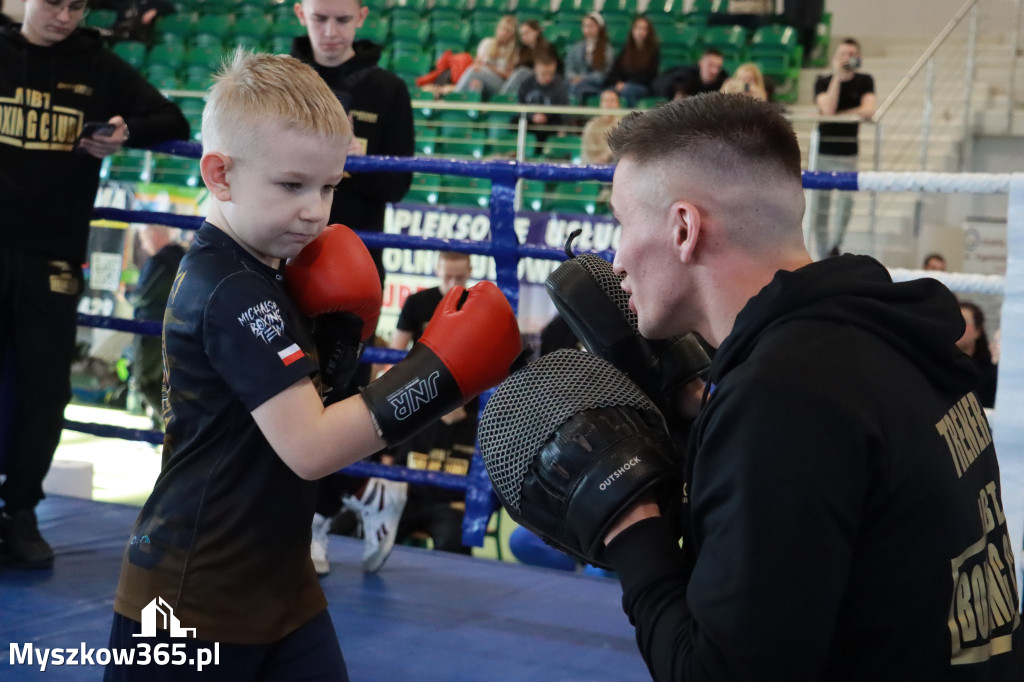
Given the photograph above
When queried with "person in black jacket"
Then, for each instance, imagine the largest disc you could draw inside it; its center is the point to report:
(380, 111)
(843, 514)
(149, 299)
(376, 100)
(55, 78)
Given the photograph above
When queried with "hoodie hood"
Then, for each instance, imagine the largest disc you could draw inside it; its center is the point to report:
(920, 319)
(83, 39)
(367, 54)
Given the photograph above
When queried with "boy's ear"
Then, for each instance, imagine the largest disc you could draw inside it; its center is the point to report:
(214, 168)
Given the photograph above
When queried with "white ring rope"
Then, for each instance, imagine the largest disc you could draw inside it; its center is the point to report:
(958, 282)
(920, 181)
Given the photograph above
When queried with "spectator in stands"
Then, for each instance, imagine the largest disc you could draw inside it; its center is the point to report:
(588, 62)
(636, 66)
(447, 445)
(532, 42)
(136, 19)
(160, 244)
(544, 88)
(707, 75)
(975, 343)
(804, 16)
(496, 57)
(376, 100)
(594, 147)
(844, 92)
(748, 81)
(380, 112)
(934, 261)
(56, 73)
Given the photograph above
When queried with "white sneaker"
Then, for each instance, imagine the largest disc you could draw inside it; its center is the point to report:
(318, 547)
(380, 510)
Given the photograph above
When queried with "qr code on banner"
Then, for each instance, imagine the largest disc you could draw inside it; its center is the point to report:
(104, 271)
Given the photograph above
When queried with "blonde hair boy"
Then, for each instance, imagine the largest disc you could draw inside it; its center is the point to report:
(253, 91)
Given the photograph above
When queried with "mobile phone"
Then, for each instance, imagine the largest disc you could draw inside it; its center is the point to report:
(853, 63)
(94, 128)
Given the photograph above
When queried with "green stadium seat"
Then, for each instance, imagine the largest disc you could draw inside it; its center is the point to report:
(251, 26)
(197, 77)
(410, 30)
(213, 7)
(425, 189)
(286, 25)
(464, 191)
(376, 29)
(100, 18)
(162, 77)
(174, 28)
(458, 32)
(491, 7)
(464, 142)
(127, 165)
(533, 9)
(701, 10)
(132, 51)
(426, 140)
(731, 41)
(175, 170)
(171, 55)
(575, 197)
(208, 56)
(533, 193)
(409, 65)
(219, 25)
(283, 45)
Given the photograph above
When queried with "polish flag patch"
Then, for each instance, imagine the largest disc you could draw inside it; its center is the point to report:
(290, 354)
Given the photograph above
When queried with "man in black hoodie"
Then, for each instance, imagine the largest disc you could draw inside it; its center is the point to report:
(379, 108)
(842, 503)
(376, 100)
(55, 78)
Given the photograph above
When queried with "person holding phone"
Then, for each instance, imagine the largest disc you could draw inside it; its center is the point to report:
(844, 92)
(49, 173)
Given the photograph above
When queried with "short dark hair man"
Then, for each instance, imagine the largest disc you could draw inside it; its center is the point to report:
(846, 91)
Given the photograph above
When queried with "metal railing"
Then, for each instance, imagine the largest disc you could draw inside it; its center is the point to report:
(948, 65)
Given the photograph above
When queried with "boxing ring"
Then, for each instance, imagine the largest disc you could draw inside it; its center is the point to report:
(430, 615)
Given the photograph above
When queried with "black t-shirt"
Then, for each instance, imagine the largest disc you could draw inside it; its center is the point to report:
(417, 311)
(840, 139)
(456, 440)
(224, 536)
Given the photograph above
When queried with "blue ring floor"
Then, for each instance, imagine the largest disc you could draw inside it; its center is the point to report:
(425, 616)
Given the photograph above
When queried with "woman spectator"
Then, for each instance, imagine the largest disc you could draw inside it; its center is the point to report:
(588, 62)
(974, 342)
(532, 42)
(637, 64)
(496, 57)
(593, 142)
(749, 81)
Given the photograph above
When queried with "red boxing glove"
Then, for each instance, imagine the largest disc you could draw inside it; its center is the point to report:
(336, 274)
(469, 346)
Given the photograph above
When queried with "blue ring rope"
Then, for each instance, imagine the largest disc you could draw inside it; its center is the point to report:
(504, 247)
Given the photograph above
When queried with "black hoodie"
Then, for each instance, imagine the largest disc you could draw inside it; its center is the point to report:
(47, 189)
(845, 508)
(378, 102)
